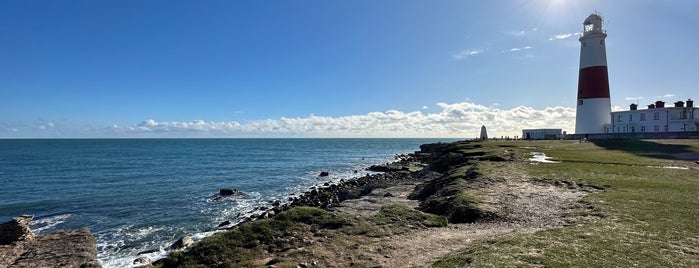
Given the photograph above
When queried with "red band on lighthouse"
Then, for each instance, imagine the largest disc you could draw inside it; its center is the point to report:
(593, 82)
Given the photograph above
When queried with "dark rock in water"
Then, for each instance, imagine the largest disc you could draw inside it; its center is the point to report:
(148, 251)
(229, 192)
(183, 242)
(224, 223)
(324, 174)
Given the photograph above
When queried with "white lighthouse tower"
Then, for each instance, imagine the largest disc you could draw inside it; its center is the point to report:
(594, 106)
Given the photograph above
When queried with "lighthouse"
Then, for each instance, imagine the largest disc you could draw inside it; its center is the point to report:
(594, 107)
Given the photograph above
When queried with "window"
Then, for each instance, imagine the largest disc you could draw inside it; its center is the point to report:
(630, 117)
(643, 128)
(584, 44)
(618, 118)
(656, 116)
(601, 42)
(643, 117)
(580, 102)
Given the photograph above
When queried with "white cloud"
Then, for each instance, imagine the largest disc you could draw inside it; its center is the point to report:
(46, 126)
(564, 36)
(461, 120)
(516, 33)
(518, 49)
(666, 96)
(424, 107)
(634, 98)
(458, 120)
(465, 53)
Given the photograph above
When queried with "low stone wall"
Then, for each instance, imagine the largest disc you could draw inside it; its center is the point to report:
(636, 135)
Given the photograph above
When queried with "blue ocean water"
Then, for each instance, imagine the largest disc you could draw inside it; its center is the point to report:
(143, 194)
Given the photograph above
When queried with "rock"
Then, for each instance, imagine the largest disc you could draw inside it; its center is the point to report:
(16, 230)
(225, 223)
(75, 248)
(387, 194)
(142, 261)
(230, 192)
(149, 251)
(324, 174)
(183, 242)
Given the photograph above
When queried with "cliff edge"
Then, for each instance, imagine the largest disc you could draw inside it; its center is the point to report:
(20, 247)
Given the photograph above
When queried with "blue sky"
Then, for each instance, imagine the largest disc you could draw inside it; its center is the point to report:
(326, 68)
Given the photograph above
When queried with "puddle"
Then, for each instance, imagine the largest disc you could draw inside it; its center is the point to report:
(668, 167)
(541, 158)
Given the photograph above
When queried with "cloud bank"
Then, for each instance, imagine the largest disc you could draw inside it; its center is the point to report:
(458, 120)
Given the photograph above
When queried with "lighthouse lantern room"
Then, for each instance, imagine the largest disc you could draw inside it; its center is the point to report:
(594, 106)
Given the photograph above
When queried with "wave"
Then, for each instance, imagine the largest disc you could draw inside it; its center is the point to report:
(48, 223)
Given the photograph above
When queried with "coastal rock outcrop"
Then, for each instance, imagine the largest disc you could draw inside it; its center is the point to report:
(20, 247)
(16, 230)
(183, 242)
(230, 193)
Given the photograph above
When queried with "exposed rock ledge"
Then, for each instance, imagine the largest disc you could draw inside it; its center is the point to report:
(20, 247)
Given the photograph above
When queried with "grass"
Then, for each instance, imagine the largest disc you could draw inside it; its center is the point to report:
(651, 214)
(287, 234)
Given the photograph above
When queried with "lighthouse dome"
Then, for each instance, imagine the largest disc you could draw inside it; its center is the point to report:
(592, 19)
(593, 24)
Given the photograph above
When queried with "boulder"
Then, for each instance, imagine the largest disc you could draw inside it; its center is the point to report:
(183, 242)
(229, 192)
(142, 261)
(324, 174)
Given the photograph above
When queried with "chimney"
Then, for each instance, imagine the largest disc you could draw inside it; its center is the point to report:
(633, 106)
(651, 106)
(659, 104)
(690, 103)
(679, 104)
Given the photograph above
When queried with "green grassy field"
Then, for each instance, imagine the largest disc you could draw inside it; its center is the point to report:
(647, 215)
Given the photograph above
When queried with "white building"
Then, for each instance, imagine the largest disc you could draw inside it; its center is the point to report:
(542, 134)
(683, 117)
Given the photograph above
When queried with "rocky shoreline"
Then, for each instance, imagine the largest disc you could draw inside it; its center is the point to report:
(436, 185)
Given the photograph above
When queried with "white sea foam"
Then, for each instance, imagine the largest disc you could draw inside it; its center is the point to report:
(45, 224)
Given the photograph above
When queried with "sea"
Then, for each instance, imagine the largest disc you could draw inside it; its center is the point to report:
(141, 195)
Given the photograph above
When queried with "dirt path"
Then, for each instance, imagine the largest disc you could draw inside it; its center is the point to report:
(524, 205)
